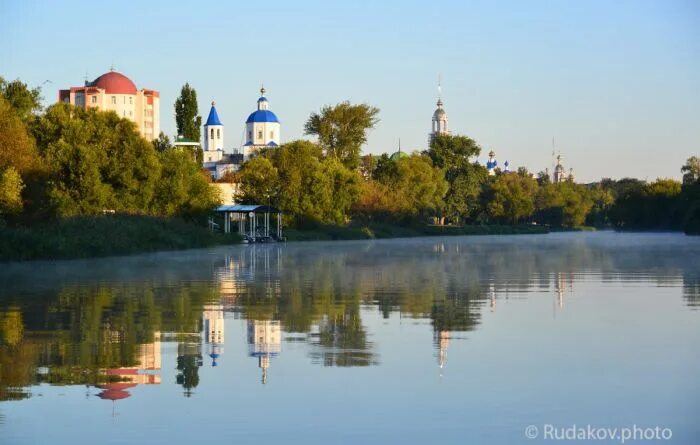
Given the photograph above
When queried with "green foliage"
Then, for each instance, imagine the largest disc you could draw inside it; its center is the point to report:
(85, 237)
(342, 130)
(97, 161)
(17, 147)
(405, 189)
(11, 186)
(259, 181)
(691, 171)
(162, 143)
(453, 154)
(509, 198)
(183, 189)
(450, 152)
(26, 102)
(305, 185)
(187, 118)
(639, 205)
(563, 205)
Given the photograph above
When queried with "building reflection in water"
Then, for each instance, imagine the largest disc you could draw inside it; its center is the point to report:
(561, 281)
(213, 325)
(264, 342)
(146, 372)
(442, 339)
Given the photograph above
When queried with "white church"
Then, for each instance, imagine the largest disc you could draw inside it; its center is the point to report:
(262, 130)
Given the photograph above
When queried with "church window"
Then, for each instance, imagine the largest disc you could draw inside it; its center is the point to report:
(218, 134)
(114, 100)
(131, 101)
(93, 99)
(260, 134)
(124, 100)
(212, 133)
(250, 135)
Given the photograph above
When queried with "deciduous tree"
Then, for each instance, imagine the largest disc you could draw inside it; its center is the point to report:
(187, 118)
(342, 130)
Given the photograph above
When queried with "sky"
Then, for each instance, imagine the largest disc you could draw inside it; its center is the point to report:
(613, 86)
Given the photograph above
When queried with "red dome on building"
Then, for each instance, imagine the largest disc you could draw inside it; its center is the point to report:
(115, 83)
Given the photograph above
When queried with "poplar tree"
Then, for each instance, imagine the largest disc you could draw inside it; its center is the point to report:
(187, 118)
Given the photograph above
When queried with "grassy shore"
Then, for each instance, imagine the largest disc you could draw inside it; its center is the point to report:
(378, 231)
(86, 237)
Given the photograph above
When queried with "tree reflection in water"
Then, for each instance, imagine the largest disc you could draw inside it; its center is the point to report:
(68, 324)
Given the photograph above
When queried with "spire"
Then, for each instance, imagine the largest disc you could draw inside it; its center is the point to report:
(439, 101)
(213, 118)
(262, 90)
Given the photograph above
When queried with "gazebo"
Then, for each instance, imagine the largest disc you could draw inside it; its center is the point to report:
(253, 221)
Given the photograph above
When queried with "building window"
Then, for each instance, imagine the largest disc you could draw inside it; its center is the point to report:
(212, 133)
(260, 134)
(218, 133)
(114, 100)
(131, 114)
(250, 135)
(93, 99)
(131, 100)
(124, 100)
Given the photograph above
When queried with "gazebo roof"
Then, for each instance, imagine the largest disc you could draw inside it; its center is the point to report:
(247, 208)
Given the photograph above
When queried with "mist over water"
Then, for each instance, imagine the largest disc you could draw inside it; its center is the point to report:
(449, 340)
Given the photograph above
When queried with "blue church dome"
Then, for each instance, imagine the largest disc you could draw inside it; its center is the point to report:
(262, 116)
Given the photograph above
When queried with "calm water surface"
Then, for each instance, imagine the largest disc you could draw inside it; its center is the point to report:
(431, 340)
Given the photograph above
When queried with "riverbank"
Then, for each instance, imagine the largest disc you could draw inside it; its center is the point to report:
(380, 231)
(109, 235)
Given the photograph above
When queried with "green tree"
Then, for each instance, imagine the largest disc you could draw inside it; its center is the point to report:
(313, 188)
(17, 147)
(162, 143)
(565, 204)
(187, 118)
(96, 161)
(259, 182)
(691, 171)
(183, 188)
(342, 130)
(454, 155)
(510, 198)
(24, 100)
(11, 186)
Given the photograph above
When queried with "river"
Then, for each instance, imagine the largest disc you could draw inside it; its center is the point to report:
(447, 340)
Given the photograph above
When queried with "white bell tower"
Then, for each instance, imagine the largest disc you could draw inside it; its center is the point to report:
(439, 116)
(213, 136)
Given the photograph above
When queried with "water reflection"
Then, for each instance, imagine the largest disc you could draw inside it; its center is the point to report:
(105, 325)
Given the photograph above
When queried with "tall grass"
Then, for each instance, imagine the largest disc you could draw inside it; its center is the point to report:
(84, 237)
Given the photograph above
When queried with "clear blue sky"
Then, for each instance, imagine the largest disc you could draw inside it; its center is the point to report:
(616, 83)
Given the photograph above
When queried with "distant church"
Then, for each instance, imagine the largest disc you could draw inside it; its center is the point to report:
(262, 128)
(440, 126)
(262, 131)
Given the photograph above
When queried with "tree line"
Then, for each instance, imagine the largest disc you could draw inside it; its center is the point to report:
(67, 161)
(329, 181)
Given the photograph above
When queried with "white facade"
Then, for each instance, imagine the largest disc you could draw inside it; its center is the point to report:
(440, 121)
(213, 137)
(262, 128)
